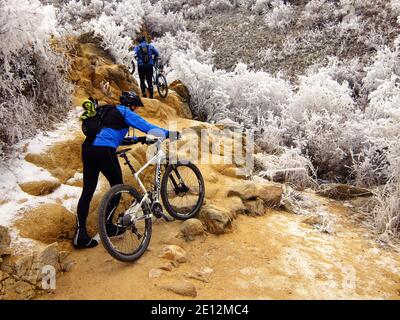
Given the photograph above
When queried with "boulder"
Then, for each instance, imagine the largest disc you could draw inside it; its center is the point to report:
(255, 207)
(216, 220)
(271, 194)
(191, 228)
(182, 287)
(174, 253)
(339, 191)
(39, 188)
(155, 273)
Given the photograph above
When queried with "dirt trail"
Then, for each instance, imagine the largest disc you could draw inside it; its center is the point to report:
(275, 256)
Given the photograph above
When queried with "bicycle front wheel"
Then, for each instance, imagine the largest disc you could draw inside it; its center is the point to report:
(182, 190)
(124, 224)
(132, 69)
(162, 85)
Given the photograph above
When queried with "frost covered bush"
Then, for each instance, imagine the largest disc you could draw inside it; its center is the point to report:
(281, 16)
(318, 13)
(261, 6)
(183, 42)
(318, 92)
(33, 88)
(159, 21)
(385, 63)
(114, 22)
(288, 165)
(245, 95)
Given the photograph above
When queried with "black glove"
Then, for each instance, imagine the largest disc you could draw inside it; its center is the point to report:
(128, 141)
(142, 140)
(174, 135)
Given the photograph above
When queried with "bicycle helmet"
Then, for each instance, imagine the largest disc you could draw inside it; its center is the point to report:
(130, 99)
(141, 38)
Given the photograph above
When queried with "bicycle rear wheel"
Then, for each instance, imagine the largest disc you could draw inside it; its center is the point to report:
(127, 233)
(182, 190)
(162, 85)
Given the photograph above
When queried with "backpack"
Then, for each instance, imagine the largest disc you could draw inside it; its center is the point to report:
(145, 53)
(106, 116)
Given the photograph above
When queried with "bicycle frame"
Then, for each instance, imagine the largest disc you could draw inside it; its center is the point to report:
(156, 159)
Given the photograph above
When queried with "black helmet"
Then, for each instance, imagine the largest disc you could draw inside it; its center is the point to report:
(130, 99)
(141, 38)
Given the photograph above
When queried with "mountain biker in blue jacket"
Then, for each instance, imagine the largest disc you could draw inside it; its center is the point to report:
(98, 155)
(145, 54)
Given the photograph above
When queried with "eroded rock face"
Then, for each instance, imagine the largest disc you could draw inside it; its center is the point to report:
(181, 287)
(21, 276)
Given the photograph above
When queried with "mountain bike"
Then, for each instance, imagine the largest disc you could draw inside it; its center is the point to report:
(159, 79)
(181, 189)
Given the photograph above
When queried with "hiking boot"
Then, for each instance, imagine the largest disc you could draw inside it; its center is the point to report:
(113, 230)
(83, 241)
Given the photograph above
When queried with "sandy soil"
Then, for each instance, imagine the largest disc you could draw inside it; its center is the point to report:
(275, 256)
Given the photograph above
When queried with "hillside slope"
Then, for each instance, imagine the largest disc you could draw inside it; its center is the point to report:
(247, 249)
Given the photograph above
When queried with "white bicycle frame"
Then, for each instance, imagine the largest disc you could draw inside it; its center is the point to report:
(157, 159)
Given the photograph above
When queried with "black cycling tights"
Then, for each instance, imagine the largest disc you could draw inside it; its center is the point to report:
(146, 73)
(96, 160)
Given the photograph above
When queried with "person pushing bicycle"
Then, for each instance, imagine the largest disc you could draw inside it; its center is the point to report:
(146, 55)
(98, 154)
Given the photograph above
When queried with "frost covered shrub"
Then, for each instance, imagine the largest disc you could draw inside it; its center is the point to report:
(111, 38)
(245, 95)
(385, 63)
(319, 92)
(114, 22)
(158, 21)
(281, 16)
(183, 42)
(289, 165)
(261, 6)
(33, 88)
(317, 13)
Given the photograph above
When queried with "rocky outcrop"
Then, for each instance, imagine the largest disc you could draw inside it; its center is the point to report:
(21, 275)
(95, 73)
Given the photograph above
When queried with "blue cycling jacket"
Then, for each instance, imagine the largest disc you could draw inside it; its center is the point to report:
(153, 52)
(109, 137)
